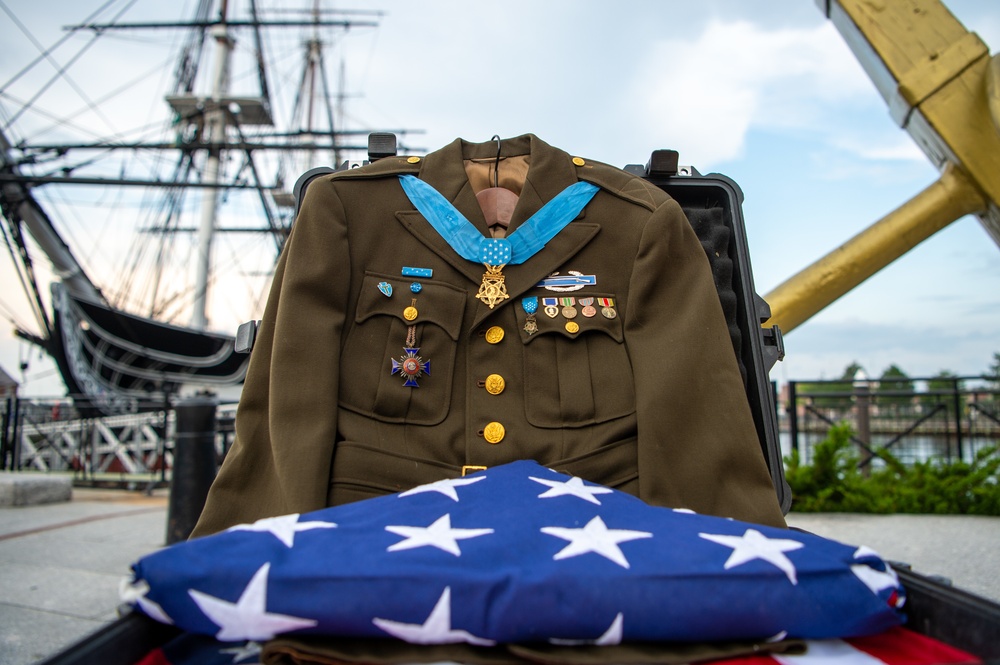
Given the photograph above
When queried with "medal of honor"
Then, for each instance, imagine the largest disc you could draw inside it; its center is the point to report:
(492, 290)
(496, 253)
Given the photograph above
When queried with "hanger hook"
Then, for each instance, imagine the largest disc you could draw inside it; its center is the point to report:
(496, 166)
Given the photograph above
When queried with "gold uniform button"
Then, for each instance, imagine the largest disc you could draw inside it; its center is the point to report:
(495, 384)
(572, 327)
(494, 433)
(579, 161)
(410, 313)
(494, 334)
(413, 160)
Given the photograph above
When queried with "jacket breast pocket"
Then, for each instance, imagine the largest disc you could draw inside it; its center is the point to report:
(575, 375)
(396, 367)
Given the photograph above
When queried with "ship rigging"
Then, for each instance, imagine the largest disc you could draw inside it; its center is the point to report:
(213, 166)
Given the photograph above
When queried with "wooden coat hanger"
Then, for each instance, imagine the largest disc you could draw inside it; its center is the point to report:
(497, 202)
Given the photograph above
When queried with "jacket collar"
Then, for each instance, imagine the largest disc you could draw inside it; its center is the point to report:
(549, 172)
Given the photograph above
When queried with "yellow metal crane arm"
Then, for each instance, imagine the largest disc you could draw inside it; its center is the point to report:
(943, 88)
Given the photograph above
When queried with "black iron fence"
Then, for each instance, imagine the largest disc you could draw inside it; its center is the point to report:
(914, 419)
(127, 450)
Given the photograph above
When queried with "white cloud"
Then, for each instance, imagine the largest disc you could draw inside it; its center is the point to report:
(705, 93)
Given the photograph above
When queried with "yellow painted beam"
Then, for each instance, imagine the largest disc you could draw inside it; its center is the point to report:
(943, 88)
(809, 291)
(938, 80)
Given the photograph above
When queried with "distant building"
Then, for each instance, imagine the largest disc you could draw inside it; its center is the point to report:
(8, 386)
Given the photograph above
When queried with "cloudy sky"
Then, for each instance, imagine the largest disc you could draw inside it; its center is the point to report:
(763, 91)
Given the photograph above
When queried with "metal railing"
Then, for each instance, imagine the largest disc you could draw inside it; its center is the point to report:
(127, 450)
(914, 419)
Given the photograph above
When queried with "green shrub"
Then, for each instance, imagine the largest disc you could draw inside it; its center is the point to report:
(833, 482)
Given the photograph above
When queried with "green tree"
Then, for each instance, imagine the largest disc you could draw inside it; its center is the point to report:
(833, 482)
(940, 389)
(993, 377)
(832, 394)
(994, 371)
(894, 380)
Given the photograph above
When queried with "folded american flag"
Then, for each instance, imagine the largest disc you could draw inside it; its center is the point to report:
(514, 554)
(896, 646)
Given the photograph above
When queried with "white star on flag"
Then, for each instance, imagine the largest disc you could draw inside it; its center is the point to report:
(435, 630)
(874, 579)
(248, 650)
(446, 487)
(613, 635)
(572, 487)
(755, 545)
(595, 537)
(247, 618)
(284, 527)
(135, 592)
(439, 535)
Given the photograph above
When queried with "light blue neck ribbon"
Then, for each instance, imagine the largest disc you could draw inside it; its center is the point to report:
(519, 246)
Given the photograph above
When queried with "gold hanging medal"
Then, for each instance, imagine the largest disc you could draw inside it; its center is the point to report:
(492, 290)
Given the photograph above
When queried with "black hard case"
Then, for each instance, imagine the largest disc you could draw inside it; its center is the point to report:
(714, 204)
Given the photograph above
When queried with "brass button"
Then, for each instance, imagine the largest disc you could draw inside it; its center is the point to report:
(579, 161)
(413, 160)
(495, 384)
(572, 327)
(494, 334)
(494, 433)
(410, 313)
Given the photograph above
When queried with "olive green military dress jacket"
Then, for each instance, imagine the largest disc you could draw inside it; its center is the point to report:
(648, 400)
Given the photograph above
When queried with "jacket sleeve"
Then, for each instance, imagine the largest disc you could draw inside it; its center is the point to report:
(286, 422)
(698, 447)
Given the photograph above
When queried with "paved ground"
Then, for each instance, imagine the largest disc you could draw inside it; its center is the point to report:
(962, 548)
(60, 564)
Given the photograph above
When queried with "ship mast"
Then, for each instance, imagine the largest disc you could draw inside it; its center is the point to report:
(214, 135)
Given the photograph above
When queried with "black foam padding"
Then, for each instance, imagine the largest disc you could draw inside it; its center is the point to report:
(710, 227)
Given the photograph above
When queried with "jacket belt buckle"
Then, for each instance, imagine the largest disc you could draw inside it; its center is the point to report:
(466, 470)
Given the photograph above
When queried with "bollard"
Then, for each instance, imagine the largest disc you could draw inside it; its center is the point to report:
(194, 465)
(863, 395)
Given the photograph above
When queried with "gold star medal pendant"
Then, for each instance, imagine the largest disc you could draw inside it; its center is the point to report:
(495, 253)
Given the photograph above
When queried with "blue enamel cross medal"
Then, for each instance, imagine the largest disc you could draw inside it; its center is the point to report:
(411, 367)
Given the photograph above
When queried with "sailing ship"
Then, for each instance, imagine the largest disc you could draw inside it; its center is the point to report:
(213, 165)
